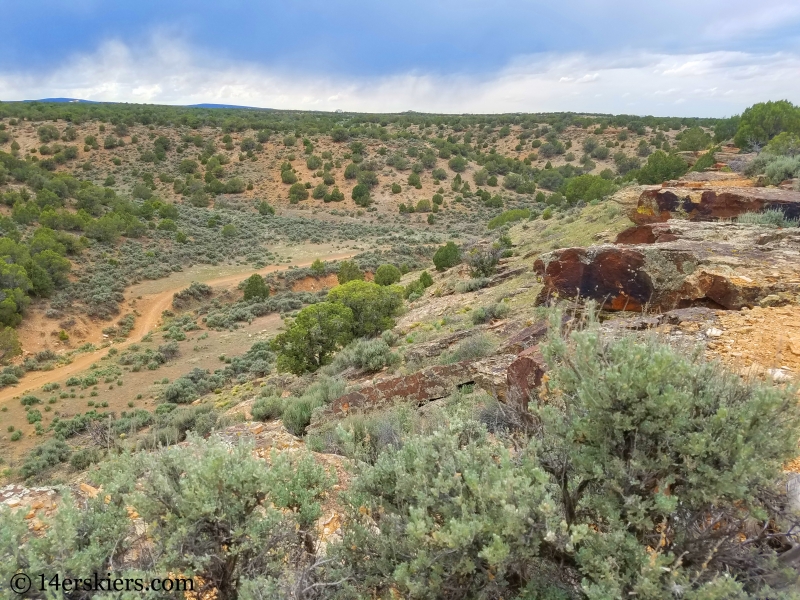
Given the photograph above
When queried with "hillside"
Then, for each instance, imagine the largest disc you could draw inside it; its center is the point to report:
(417, 356)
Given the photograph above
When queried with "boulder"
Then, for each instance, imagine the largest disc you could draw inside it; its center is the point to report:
(696, 314)
(489, 374)
(419, 388)
(703, 204)
(434, 348)
(652, 233)
(530, 336)
(709, 179)
(720, 265)
(426, 385)
(523, 376)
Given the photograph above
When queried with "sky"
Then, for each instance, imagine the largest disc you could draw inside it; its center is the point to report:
(708, 58)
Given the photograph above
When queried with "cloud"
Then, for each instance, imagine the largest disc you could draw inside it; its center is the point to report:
(168, 71)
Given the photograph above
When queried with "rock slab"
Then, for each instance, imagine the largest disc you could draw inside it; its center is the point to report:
(720, 265)
(698, 204)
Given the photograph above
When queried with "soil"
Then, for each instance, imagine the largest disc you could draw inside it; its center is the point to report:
(758, 342)
(315, 284)
(760, 339)
(150, 308)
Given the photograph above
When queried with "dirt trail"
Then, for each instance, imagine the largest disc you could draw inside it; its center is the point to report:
(149, 308)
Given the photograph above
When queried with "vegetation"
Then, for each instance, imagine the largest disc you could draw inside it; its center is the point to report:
(638, 469)
(349, 271)
(509, 216)
(447, 256)
(387, 275)
(372, 305)
(771, 217)
(317, 332)
(661, 167)
(764, 121)
(255, 288)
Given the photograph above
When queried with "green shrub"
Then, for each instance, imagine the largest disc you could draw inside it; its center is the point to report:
(260, 504)
(45, 456)
(476, 346)
(770, 218)
(484, 314)
(319, 191)
(661, 167)
(364, 355)
(297, 411)
(387, 275)
(373, 306)
(313, 162)
(425, 544)
(587, 188)
(255, 288)
(447, 256)
(351, 171)
(764, 121)
(288, 176)
(361, 195)
(781, 168)
(423, 206)
(425, 279)
(317, 332)
(472, 285)
(335, 196)
(784, 144)
(267, 408)
(509, 216)
(705, 162)
(349, 271)
(700, 441)
(30, 400)
(84, 458)
(297, 192)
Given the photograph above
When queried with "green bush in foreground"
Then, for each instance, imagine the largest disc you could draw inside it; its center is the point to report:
(643, 472)
(661, 167)
(210, 511)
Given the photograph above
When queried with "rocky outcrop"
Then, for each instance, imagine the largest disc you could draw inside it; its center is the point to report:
(653, 233)
(434, 348)
(418, 388)
(489, 374)
(708, 179)
(721, 265)
(523, 378)
(426, 385)
(703, 204)
(695, 314)
(530, 336)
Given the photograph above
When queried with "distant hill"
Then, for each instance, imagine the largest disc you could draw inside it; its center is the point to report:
(225, 106)
(73, 100)
(205, 105)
